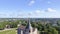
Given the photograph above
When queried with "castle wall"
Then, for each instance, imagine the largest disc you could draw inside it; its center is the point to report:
(36, 31)
(31, 31)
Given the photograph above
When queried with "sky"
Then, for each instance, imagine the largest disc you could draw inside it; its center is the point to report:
(29, 8)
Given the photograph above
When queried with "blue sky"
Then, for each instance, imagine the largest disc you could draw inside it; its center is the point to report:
(29, 8)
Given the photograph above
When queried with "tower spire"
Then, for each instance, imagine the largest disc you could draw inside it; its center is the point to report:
(28, 25)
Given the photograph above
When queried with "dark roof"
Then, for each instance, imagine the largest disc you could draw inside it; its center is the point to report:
(22, 27)
(28, 25)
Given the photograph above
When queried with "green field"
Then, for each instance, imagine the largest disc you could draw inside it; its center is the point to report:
(12, 31)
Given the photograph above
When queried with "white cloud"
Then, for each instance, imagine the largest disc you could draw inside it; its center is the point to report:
(49, 2)
(32, 14)
(36, 12)
(51, 10)
(39, 14)
(31, 2)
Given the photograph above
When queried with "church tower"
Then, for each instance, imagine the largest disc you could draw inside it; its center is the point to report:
(27, 30)
(29, 27)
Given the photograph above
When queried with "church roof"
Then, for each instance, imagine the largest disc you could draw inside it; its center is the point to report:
(22, 27)
(28, 25)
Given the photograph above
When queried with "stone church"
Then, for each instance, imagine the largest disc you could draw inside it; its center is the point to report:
(27, 29)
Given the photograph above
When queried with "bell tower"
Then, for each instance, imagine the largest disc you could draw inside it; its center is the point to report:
(29, 27)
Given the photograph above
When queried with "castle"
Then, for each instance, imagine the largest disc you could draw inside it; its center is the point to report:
(27, 30)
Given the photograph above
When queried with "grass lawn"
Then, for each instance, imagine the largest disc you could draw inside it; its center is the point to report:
(12, 31)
